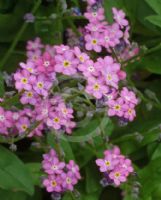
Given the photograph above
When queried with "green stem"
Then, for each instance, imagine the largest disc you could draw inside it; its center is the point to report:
(115, 55)
(156, 48)
(18, 36)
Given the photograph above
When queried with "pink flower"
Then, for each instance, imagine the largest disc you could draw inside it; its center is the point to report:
(90, 2)
(116, 107)
(96, 87)
(42, 110)
(105, 165)
(129, 96)
(95, 16)
(109, 70)
(29, 66)
(5, 118)
(127, 166)
(127, 35)
(88, 68)
(68, 181)
(66, 63)
(67, 113)
(55, 120)
(107, 40)
(60, 49)
(69, 125)
(61, 176)
(42, 85)
(29, 97)
(33, 55)
(71, 166)
(115, 33)
(37, 132)
(53, 167)
(45, 63)
(93, 42)
(96, 27)
(114, 166)
(118, 176)
(23, 80)
(129, 113)
(49, 156)
(83, 57)
(23, 124)
(53, 183)
(34, 45)
(119, 17)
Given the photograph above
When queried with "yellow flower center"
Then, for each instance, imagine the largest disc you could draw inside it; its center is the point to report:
(81, 58)
(117, 175)
(56, 120)
(96, 86)
(66, 63)
(108, 163)
(94, 41)
(54, 183)
(24, 80)
(129, 111)
(109, 77)
(40, 85)
(30, 94)
(68, 180)
(117, 107)
(24, 127)
(30, 69)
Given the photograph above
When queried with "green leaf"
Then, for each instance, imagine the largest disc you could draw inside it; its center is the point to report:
(10, 195)
(155, 19)
(92, 178)
(155, 5)
(65, 146)
(13, 173)
(16, 20)
(150, 62)
(35, 170)
(157, 153)
(150, 177)
(2, 88)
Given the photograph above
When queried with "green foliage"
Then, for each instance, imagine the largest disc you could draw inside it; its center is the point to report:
(148, 175)
(140, 140)
(13, 173)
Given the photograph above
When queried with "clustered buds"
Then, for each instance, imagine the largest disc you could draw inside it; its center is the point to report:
(115, 166)
(61, 177)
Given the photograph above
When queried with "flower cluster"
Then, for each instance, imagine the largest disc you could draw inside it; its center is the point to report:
(61, 177)
(18, 122)
(122, 104)
(100, 34)
(115, 167)
(37, 78)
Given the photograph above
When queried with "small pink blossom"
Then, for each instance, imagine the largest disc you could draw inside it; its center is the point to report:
(119, 17)
(66, 63)
(96, 87)
(45, 63)
(95, 16)
(93, 42)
